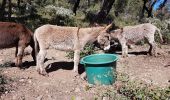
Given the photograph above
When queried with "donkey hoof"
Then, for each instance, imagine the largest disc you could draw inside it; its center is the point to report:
(83, 76)
(44, 73)
(124, 56)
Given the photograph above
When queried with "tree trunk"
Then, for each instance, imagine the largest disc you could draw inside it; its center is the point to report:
(9, 9)
(148, 9)
(143, 9)
(2, 10)
(105, 9)
(88, 2)
(76, 5)
(18, 3)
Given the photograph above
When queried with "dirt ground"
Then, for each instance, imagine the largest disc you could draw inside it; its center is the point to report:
(62, 85)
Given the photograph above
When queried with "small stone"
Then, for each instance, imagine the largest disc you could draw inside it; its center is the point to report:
(77, 89)
(78, 98)
(50, 97)
(29, 81)
(39, 97)
(21, 80)
(6, 92)
(14, 97)
(66, 91)
(63, 82)
(5, 72)
(105, 98)
(46, 91)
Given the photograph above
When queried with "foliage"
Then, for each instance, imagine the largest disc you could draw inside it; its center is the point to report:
(57, 15)
(126, 89)
(6, 64)
(138, 90)
(3, 81)
(88, 50)
(163, 25)
(128, 8)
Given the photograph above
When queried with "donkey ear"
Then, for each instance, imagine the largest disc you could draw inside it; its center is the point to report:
(108, 26)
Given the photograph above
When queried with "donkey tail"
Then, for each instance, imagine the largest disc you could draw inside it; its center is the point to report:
(160, 35)
(35, 44)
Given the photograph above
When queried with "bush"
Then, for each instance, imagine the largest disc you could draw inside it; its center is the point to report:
(3, 81)
(88, 50)
(125, 89)
(57, 15)
(163, 25)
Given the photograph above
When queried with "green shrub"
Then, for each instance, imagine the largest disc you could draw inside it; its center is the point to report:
(57, 15)
(163, 25)
(135, 90)
(3, 81)
(5, 64)
(139, 91)
(88, 50)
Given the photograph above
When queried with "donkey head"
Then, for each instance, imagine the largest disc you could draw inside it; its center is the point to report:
(104, 37)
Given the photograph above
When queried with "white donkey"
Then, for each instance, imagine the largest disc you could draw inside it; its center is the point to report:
(132, 34)
(67, 39)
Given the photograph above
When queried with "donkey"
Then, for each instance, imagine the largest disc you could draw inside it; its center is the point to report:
(66, 39)
(16, 35)
(132, 34)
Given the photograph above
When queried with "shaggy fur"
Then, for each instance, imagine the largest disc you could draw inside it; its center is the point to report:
(132, 34)
(16, 35)
(63, 38)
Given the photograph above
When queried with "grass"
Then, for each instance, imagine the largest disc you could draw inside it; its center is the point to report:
(3, 82)
(125, 89)
(88, 49)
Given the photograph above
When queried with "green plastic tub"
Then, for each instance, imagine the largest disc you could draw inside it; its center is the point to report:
(100, 68)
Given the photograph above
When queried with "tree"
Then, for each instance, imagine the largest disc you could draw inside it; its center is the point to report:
(150, 7)
(76, 5)
(120, 6)
(9, 9)
(105, 9)
(2, 9)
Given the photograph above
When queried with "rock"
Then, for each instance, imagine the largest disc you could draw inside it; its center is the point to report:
(39, 97)
(29, 81)
(14, 97)
(50, 97)
(77, 89)
(21, 80)
(105, 98)
(79, 98)
(5, 72)
(6, 92)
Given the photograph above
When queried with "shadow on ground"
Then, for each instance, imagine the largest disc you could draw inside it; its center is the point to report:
(63, 65)
(118, 50)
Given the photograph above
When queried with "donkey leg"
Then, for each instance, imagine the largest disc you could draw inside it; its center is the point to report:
(153, 47)
(20, 56)
(154, 50)
(40, 62)
(16, 58)
(33, 50)
(76, 60)
(124, 49)
(150, 49)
